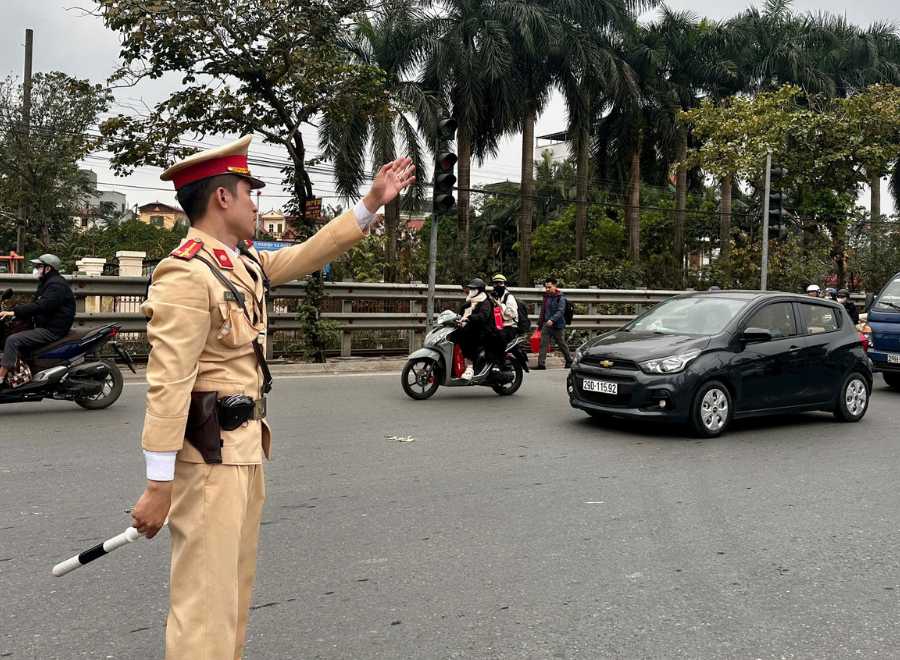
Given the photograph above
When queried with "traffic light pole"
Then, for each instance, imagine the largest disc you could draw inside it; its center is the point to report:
(764, 267)
(432, 268)
(442, 201)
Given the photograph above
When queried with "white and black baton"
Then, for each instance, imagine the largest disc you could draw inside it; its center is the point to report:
(130, 535)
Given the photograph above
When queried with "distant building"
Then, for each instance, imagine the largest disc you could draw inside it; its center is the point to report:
(273, 223)
(98, 206)
(161, 215)
(556, 143)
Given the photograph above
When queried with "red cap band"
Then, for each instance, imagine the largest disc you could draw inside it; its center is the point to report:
(208, 168)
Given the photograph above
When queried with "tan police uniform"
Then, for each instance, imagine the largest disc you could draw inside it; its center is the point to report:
(201, 340)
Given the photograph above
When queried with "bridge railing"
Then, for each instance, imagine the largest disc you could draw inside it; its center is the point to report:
(380, 317)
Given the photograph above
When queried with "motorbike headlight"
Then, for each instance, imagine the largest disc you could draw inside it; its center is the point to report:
(668, 365)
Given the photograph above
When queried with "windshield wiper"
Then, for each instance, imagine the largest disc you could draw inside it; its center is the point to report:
(886, 304)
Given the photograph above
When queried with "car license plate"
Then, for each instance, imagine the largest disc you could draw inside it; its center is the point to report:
(601, 386)
(893, 358)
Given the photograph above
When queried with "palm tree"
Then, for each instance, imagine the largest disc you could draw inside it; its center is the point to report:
(468, 61)
(636, 117)
(393, 40)
(584, 66)
(695, 62)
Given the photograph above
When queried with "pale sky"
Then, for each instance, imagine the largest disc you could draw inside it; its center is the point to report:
(65, 40)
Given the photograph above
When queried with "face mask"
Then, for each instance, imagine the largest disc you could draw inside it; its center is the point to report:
(36, 273)
(499, 290)
(842, 300)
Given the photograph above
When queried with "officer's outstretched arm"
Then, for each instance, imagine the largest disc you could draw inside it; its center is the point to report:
(178, 326)
(340, 234)
(330, 242)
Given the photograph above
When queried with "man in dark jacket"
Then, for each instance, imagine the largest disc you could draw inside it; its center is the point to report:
(52, 311)
(553, 322)
(843, 297)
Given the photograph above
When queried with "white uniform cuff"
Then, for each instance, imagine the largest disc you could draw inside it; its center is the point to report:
(160, 465)
(363, 215)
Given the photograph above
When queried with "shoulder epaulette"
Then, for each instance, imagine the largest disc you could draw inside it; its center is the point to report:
(187, 250)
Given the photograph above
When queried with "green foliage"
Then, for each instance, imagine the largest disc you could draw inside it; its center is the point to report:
(318, 334)
(255, 66)
(39, 167)
(157, 242)
(793, 264)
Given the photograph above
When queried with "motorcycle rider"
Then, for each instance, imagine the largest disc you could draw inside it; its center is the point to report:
(52, 311)
(509, 307)
(843, 297)
(814, 291)
(477, 328)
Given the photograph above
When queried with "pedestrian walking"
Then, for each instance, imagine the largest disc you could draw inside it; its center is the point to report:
(552, 322)
(205, 431)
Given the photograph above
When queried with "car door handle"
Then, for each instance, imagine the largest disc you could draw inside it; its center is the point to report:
(794, 349)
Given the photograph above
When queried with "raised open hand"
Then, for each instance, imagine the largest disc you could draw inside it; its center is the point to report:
(390, 181)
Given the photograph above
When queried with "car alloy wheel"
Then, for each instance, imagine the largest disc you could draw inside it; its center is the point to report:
(714, 410)
(711, 409)
(856, 396)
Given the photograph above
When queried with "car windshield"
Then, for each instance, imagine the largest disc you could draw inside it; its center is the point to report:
(689, 316)
(890, 297)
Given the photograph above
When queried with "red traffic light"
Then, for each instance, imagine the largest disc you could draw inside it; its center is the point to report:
(446, 161)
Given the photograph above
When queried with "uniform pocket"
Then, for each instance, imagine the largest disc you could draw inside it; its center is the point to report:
(236, 330)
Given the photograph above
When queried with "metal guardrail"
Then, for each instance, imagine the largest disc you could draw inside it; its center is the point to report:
(131, 290)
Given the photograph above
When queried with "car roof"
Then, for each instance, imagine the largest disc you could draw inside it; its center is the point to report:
(742, 294)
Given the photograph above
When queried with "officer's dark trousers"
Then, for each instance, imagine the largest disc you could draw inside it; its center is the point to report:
(25, 341)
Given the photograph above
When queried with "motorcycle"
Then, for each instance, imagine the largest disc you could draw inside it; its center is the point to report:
(69, 369)
(440, 362)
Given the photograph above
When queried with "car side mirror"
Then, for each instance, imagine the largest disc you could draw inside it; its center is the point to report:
(7, 294)
(755, 335)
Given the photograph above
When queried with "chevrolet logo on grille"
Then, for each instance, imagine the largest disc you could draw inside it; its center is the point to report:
(606, 364)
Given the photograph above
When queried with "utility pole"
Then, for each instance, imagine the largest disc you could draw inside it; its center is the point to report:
(764, 270)
(26, 129)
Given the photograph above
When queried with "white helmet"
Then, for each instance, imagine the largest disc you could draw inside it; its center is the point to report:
(813, 288)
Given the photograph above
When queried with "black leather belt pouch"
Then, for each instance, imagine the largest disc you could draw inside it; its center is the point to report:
(203, 429)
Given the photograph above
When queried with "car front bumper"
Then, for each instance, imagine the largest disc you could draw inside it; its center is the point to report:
(659, 397)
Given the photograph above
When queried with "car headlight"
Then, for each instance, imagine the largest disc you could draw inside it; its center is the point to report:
(668, 365)
(579, 352)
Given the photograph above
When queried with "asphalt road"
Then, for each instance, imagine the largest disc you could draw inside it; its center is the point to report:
(510, 528)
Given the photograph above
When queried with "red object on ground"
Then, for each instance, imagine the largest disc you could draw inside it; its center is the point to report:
(459, 362)
(536, 341)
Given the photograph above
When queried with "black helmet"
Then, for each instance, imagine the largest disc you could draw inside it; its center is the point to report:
(843, 293)
(476, 283)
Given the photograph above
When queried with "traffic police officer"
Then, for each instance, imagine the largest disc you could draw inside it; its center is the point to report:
(206, 310)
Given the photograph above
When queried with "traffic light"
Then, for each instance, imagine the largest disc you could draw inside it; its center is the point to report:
(778, 216)
(444, 162)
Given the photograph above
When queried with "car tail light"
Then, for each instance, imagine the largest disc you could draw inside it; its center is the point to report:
(868, 338)
(114, 332)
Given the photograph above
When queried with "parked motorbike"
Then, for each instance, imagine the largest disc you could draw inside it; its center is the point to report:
(440, 362)
(69, 369)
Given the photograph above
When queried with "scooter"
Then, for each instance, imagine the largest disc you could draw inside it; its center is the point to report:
(68, 369)
(440, 362)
